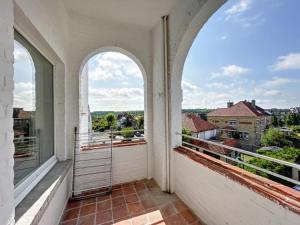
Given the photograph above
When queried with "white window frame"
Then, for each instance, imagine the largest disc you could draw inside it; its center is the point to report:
(23, 188)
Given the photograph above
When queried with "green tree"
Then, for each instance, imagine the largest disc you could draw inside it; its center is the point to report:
(274, 121)
(292, 119)
(186, 131)
(128, 132)
(274, 137)
(288, 154)
(111, 119)
(140, 122)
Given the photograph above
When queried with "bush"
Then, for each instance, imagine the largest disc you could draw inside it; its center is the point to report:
(128, 132)
(274, 137)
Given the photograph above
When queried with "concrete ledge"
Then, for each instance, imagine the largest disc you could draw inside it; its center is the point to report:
(283, 195)
(33, 207)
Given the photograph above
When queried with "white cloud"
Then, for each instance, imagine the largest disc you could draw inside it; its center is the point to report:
(113, 66)
(24, 96)
(287, 62)
(223, 38)
(20, 53)
(276, 82)
(238, 8)
(231, 71)
(116, 99)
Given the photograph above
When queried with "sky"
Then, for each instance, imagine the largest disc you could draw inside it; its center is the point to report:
(249, 49)
(115, 83)
(24, 87)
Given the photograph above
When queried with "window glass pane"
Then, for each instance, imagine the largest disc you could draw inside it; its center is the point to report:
(32, 109)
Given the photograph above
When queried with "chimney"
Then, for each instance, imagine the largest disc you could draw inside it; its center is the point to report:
(229, 104)
(253, 102)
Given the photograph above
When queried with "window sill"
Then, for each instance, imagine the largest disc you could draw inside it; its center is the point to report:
(115, 145)
(283, 195)
(34, 205)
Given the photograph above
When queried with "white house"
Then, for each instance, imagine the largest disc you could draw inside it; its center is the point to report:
(200, 128)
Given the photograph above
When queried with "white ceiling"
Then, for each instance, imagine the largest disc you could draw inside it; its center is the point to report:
(144, 13)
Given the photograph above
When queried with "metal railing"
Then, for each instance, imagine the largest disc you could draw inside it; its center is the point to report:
(92, 160)
(215, 149)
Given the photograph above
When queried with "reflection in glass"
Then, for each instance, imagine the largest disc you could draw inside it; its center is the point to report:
(32, 109)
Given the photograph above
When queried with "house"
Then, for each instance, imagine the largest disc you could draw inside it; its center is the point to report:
(200, 128)
(244, 121)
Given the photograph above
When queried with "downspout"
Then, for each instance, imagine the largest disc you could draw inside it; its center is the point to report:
(166, 99)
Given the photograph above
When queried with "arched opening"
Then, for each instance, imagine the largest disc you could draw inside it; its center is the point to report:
(112, 81)
(240, 82)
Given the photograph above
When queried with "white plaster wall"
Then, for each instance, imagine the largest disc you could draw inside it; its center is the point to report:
(6, 122)
(55, 209)
(50, 19)
(129, 163)
(159, 131)
(185, 21)
(86, 36)
(217, 200)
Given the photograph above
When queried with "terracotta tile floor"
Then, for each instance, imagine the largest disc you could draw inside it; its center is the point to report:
(135, 203)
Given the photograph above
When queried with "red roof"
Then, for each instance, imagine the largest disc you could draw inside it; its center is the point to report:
(242, 108)
(196, 124)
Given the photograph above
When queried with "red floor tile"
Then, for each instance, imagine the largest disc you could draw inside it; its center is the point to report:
(168, 210)
(87, 220)
(71, 214)
(188, 216)
(104, 217)
(87, 209)
(118, 201)
(104, 205)
(175, 220)
(134, 203)
(128, 190)
(135, 208)
(131, 198)
(148, 204)
(120, 212)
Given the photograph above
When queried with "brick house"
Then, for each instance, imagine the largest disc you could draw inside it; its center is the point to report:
(243, 120)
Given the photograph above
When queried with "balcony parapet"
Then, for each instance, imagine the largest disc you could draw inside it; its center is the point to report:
(278, 193)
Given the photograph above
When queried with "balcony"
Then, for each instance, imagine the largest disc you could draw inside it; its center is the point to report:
(158, 180)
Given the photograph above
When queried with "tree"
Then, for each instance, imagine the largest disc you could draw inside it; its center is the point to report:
(100, 124)
(111, 119)
(292, 119)
(128, 132)
(274, 137)
(140, 122)
(288, 154)
(186, 131)
(274, 121)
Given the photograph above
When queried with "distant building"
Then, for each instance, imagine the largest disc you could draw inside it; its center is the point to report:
(244, 121)
(200, 128)
(295, 110)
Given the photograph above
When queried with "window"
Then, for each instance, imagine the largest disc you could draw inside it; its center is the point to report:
(244, 136)
(32, 109)
(232, 123)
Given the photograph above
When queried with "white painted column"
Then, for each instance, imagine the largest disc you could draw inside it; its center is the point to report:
(6, 121)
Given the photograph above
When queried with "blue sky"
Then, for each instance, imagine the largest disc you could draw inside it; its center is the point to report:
(249, 49)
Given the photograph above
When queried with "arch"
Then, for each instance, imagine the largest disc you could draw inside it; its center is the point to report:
(113, 49)
(176, 69)
(118, 50)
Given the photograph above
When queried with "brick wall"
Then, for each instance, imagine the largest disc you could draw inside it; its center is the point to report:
(6, 122)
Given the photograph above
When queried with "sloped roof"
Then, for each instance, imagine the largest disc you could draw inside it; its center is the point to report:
(242, 108)
(196, 124)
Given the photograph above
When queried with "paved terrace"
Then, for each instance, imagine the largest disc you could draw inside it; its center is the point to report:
(135, 203)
